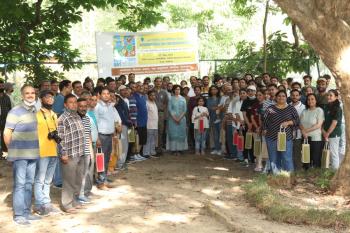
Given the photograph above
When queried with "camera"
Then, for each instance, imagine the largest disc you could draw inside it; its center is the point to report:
(54, 136)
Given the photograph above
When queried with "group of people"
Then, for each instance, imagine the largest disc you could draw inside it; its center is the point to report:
(53, 135)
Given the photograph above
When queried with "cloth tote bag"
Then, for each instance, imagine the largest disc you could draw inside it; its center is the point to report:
(325, 156)
(282, 139)
(305, 151)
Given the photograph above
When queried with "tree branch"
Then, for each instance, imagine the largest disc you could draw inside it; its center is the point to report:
(295, 35)
(28, 27)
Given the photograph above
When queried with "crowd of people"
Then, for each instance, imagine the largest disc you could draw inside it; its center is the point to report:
(53, 135)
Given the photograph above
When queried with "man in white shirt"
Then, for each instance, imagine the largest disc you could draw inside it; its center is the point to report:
(295, 96)
(108, 121)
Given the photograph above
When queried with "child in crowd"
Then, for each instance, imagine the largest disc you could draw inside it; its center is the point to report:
(200, 120)
(152, 125)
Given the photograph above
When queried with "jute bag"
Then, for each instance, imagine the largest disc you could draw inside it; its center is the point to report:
(131, 135)
(325, 156)
(257, 145)
(136, 146)
(264, 151)
(305, 151)
(248, 140)
(282, 139)
(115, 154)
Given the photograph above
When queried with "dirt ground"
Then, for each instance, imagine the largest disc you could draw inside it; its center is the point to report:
(171, 194)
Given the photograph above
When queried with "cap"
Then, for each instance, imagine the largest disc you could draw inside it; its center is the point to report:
(321, 79)
(45, 93)
(122, 87)
(251, 87)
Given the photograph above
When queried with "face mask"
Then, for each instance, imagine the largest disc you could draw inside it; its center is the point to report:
(28, 103)
(71, 111)
(251, 97)
(47, 106)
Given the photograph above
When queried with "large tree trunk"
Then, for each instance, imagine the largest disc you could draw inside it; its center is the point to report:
(325, 25)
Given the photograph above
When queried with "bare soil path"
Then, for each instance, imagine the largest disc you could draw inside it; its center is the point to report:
(181, 194)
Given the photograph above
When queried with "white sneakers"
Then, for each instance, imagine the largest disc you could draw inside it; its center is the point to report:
(215, 152)
(138, 157)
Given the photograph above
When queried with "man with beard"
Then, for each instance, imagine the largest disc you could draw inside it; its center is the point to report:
(123, 109)
(247, 110)
(295, 96)
(322, 96)
(5, 107)
(71, 130)
(47, 125)
(82, 110)
(162, 106)
(205, 87)
(193, 81)
(21, 137)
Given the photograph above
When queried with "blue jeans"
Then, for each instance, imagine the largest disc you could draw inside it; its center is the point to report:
(216, 134)
(45, 170)
(231, 149)
(106, 144)
(280, 160)
(200, 139)
(23, 179)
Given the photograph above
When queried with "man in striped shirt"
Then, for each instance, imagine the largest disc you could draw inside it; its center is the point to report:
(21, 138)
(82, 110)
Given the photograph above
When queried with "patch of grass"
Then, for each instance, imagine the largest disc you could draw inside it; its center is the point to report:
(260, 194)
(324, 180)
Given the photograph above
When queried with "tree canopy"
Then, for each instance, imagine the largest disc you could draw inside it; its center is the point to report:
(38, 31)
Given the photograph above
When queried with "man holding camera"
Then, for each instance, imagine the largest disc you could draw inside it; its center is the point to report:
(71, 130)
(48, 140)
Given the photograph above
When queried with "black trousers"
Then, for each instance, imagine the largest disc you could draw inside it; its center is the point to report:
(316, 148)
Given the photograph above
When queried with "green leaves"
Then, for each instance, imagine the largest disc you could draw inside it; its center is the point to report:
(282, 57)
(37, 31)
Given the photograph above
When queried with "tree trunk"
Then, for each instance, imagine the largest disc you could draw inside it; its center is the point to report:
(264, 34)
(325, 25)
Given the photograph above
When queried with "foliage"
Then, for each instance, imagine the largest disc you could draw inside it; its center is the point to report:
(282, 57)
(324, 180)
(260, 194)
(214, 38)
(38, 31)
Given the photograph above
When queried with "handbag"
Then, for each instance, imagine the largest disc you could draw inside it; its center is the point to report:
(131, 135)
(100, 160)
(136, 146)
(240, 142)
(305, 151)
(248, 140)
(235, 137)
(282, 139)
(114, 155)
(201, 125)
(257, 145)
(264, 151)
(325, 156)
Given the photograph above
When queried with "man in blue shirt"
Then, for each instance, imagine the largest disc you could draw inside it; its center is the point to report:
(141, 115)
(108, 121)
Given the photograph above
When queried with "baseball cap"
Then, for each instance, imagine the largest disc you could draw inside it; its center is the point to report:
(45, 93)
(122, 87)
(251, 87)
